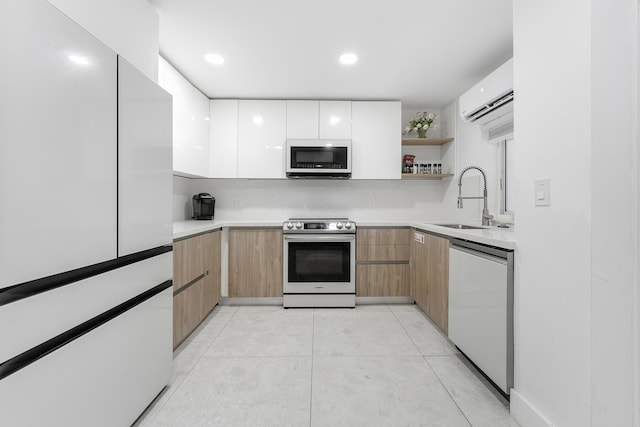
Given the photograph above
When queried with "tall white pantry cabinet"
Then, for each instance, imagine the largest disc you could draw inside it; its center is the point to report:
(85, 226)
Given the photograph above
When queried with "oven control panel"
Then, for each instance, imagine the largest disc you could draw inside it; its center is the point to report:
(341, 225)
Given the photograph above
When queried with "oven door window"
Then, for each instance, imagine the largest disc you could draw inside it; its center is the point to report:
(319, 262)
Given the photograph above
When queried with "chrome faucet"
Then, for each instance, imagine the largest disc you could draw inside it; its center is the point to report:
(486, 218)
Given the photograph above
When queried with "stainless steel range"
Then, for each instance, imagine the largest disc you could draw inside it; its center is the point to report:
(319, 262)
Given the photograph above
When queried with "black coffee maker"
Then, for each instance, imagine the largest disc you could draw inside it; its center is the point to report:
(204, 205)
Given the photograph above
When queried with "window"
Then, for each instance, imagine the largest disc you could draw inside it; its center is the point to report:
(506, 177)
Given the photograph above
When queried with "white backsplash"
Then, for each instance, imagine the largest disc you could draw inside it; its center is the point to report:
(276, 200)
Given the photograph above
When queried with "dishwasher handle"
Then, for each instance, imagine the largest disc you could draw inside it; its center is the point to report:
(480, 254)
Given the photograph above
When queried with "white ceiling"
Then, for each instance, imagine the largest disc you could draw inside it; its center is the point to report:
(424, 53)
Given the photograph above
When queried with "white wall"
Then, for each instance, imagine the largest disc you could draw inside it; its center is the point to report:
(471, 149)
(277, 200)
(128, 27)
(552, 294)
(576, 259)
(614, 56)
(182, 193)
(467, 149)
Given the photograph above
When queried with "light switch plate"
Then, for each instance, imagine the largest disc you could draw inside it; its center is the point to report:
(542, 192)
(418, 237)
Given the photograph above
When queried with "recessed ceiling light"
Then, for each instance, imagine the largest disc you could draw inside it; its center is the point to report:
(214, 58)
(348, 58)
(80, 60)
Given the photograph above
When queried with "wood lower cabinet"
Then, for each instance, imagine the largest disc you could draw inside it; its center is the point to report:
(430, 276)
(382, 259)
(188, 262)
(211, 291)
(196, 283)
(383, 244)
(382, 280)
(255, 262)
(187, 311)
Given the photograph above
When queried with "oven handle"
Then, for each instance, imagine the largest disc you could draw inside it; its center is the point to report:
(317, 238)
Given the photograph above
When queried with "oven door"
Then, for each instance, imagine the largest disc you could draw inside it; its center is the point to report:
(319, 264)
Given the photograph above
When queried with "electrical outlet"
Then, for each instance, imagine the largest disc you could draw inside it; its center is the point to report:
(374, 200)
(238, 202)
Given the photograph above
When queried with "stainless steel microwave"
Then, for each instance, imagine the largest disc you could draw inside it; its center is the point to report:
(318, 158)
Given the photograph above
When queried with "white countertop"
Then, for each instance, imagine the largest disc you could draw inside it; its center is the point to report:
(187, 228)
(493, 236)
(190, 227)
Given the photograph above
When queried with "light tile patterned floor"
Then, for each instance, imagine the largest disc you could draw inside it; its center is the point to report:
(382, 365)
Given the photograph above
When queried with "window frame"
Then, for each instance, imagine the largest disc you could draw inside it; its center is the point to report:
(505, 171)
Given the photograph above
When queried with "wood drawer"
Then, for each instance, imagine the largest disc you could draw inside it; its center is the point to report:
(188, 262)
(383, 244)
(187, 311)
(383, 280)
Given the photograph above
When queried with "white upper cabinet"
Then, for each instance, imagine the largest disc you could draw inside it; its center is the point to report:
(319, 119)
(223, 138)
(376, 140)
(58, 152)
(262, 131)
(302, 119)
(247, 137)
(144, 162)
(190, 123)
(335, 120)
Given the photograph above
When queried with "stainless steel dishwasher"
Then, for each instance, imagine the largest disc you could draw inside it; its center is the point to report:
(481, 308)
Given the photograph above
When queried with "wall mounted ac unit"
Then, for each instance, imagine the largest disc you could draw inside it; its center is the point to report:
(489, 103)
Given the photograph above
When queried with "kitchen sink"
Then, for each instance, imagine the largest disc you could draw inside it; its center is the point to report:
(461, 226)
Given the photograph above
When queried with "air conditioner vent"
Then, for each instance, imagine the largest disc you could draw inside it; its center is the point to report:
(489, 107)
(489, 104)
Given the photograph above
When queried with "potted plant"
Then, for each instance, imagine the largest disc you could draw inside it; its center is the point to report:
(421, 123)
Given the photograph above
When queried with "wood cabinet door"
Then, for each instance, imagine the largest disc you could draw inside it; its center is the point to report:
(419, 257)
(383, 256)
(187, 311)
(187, 261)
(437, 279)
(383, 244)
(382, 280)
(211, 254)
(255, 263)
